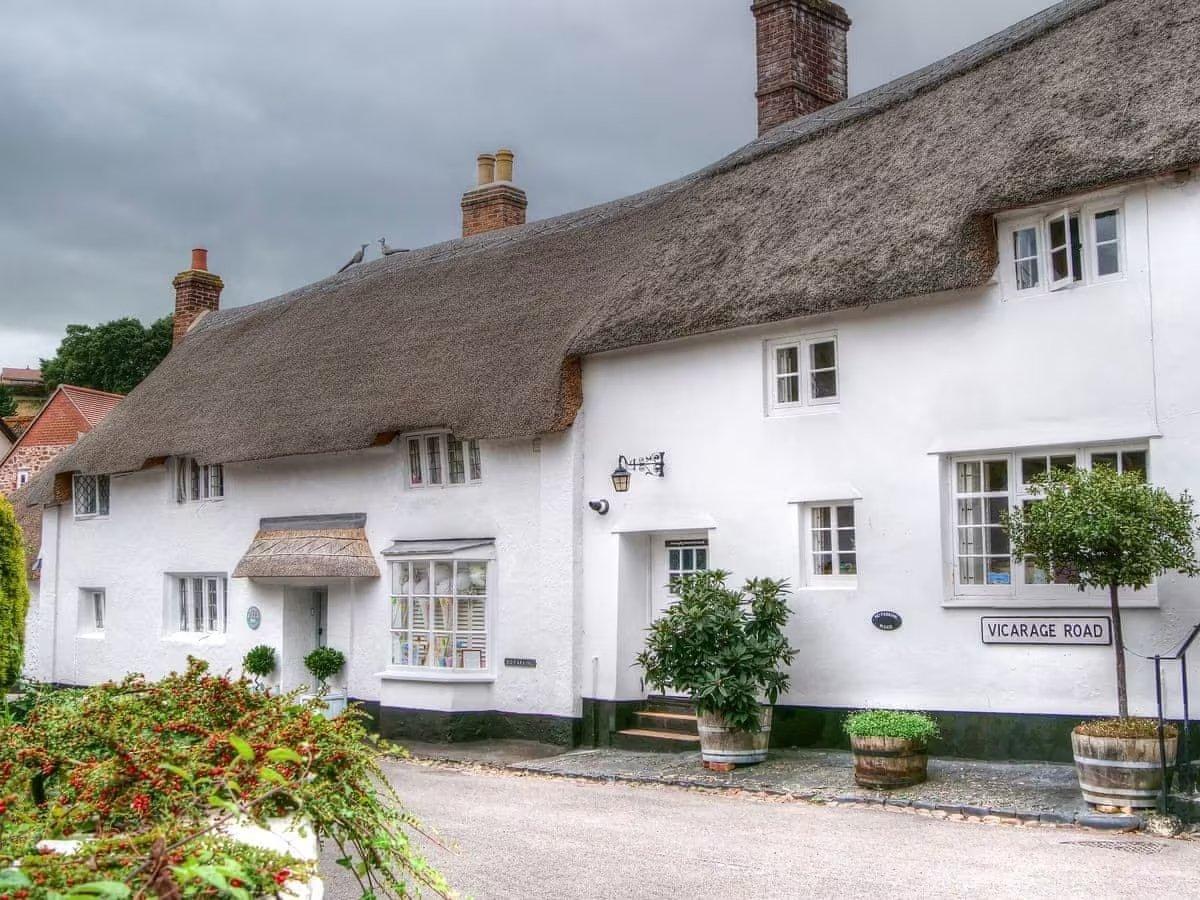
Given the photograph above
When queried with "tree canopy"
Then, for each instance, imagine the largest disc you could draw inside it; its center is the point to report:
(114, 356)
(8, 403)
(1104, 529)
(14, 596)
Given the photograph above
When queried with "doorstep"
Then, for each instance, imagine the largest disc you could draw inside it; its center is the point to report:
(1018, 792)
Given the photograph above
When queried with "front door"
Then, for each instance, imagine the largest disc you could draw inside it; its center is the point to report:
(674, 555)
(320, 610)
(305, 627)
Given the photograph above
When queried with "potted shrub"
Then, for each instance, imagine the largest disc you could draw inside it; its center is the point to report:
(1103, 529)
(260, 662)
(324, 663)
(725, 649)
(890, 747)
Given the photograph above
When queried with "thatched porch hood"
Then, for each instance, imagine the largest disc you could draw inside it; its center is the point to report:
(889, 194)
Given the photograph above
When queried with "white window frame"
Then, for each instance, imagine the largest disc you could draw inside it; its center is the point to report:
(23, 476)
(103, 498)
(422, 461)
(809, 549)
(200, 616)
(677, 552)
(401, 595)
(1086, 214)
(1018, 592)
(93, 612)
(803, 345)
(194, 483)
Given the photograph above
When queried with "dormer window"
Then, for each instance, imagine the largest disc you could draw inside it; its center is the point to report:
(1066, 247)
(91, 493)
(440, 459)
(195, 483)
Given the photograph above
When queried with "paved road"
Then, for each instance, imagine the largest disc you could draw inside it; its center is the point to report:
(532, 837)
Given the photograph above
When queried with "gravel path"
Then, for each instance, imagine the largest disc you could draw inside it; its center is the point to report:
(532, 837)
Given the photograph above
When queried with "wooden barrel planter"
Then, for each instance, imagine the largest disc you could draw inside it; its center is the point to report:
(1121, 773)
(724, 745)
(886, 763)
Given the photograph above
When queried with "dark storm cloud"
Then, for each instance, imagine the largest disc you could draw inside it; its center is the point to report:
(283, 134)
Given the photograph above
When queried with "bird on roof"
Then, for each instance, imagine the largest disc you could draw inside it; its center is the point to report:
(388, 251)
(355, 259)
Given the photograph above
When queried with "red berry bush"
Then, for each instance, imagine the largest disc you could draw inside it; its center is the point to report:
(147, 774)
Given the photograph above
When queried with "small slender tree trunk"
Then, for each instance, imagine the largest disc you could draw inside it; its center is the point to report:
(1119, 649)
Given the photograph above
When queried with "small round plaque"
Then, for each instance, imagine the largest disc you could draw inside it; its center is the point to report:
(886, 620)
(253, 618)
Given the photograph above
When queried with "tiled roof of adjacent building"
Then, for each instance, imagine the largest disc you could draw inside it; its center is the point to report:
(23, 377)
(886, 195)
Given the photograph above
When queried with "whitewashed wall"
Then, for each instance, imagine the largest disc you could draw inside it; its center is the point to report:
(965, 371)
(528, 501)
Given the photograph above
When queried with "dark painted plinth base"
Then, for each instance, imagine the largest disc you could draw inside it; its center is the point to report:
(968, 735)
(456, 727)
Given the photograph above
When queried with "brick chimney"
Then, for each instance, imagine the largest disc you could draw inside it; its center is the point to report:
(495, 202)
(197, 291)
(801, 58)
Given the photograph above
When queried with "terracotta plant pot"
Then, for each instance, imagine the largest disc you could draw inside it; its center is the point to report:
(886, 763)
(1120, 773)
(721, 744)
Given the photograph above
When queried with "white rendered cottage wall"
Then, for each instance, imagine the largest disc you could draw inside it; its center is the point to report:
(527, 501)
(973, 370)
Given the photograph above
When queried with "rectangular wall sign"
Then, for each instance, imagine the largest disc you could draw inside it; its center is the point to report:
(1046, 629)
(520, 663)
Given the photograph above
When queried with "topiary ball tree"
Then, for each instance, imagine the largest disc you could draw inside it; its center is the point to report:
(324, 663)
(14, 596)
(259, 661)
(1105, 529)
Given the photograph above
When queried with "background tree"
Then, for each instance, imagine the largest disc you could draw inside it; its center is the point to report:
(14, 596)
(114, 356)
(1106, 530)
(8, 403)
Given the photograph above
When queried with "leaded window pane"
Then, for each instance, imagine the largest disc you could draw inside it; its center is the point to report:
(458, 465)
(476, 462)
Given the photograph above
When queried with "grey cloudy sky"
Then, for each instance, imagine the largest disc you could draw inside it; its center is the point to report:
(281, 134)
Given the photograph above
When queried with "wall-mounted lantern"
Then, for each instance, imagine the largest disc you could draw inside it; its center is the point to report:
(654, 465)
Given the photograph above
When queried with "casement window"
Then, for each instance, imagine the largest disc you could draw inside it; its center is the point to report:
(439, 459)
(200, 603)
(22, 477)
(440, 614)
(91, 493)
(685, 558)
(802, 372)
(1067, 247)
(91, 612)
(984, 487)
(195, 483)
(832, 548)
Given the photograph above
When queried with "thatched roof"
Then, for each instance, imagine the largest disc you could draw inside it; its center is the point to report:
(310, 547)
(887, 195)
(29, 520)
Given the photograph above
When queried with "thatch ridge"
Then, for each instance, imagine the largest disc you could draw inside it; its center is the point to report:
(887, 195)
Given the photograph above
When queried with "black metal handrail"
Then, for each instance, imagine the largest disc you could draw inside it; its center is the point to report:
(1183, 769)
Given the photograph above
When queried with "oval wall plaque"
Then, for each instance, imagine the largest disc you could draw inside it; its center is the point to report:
(886, 620)
(253, 618)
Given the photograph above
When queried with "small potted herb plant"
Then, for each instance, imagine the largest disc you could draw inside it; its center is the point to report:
(260, 662)
(324, 663)
(1102, 529)
(890, 747)
(727, 650)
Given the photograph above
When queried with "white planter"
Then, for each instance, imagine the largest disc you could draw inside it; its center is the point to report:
(335, 702)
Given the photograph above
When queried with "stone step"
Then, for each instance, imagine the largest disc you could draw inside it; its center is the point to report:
(654, 740)
(680, 722)
(670, 705)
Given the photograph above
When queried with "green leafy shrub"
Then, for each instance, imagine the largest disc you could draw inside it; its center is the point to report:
(1126, 728)
(724, 648)
(147, 773)
(909, 726)
(14, 596)
(324, 663)
(259, 661)
(1103, 529)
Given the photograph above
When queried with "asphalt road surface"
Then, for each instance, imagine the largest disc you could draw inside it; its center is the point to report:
(533, 837)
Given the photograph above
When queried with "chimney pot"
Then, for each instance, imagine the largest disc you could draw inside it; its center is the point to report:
(801, 58)
(504, 165)
(487, 169)
(200, 259)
